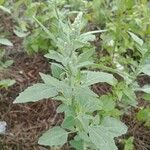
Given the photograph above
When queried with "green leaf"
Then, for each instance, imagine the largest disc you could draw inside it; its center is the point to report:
(144, 115)
(114, 126)
(36, 92)
(129, 144)
(93, 77)
(68, 123)
(103, 136)
(85, 56)
(77, 144)
(20, 34)
(6, 83)
(6, 42)
(54, 137)
(136, 38)
(101, 139)
(145, 88)
(87, 99)
(146, 69)
(56, 70)
(146, 97)
(55, 56)
(5, 9)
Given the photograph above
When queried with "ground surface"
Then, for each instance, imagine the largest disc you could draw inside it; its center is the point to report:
(26, 122)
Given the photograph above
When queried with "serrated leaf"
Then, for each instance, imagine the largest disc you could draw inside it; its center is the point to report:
(101, 139)
(54, 137)
(93, 77)
(87, 99)
(103, 136)
(5, 42)
(114, 126)
(36, 92)
(59, 85)
(136, 38)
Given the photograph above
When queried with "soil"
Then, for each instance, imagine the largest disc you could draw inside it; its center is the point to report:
(26, 122)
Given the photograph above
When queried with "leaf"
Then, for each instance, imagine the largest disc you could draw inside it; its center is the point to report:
(85, 56)
(68, 123)
(101, 139)
(59, 85)
(114, 126)
(103, 136)
(6, 42)
(145, 88)
(129, 144)
(146, 69)
(54, 55)
(56, 70)
(136, 38)
(3, 125)
(20, 34)
(6, 83)
(5, 9)
(87, 99)
(54, 137)
(77, 144)
(36, 92)
(93, 77)
(51, 36)
(144, 115)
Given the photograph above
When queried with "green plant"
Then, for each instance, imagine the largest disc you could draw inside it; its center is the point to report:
(70, 84)
(129, 144)
(144, 116)
(4, 64)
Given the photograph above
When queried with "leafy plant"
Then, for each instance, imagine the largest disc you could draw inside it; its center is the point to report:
(144, 116)
(70, 84)
(129, 144)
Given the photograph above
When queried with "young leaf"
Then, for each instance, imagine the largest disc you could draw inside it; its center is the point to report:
(6, 83)
(93, 77)
(36, 92)
(54, 137)
(6, 42)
